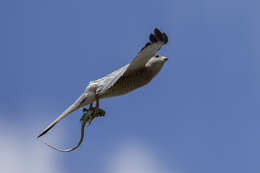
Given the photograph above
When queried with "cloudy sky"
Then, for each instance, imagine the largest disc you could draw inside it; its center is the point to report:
(199, 115)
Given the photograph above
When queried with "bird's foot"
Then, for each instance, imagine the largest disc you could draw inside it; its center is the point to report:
(91, 114)
(97, 113)
(84, 110)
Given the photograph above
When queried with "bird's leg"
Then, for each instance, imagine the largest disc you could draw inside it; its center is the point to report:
(97, 107)
(90, 106)
(98, 112)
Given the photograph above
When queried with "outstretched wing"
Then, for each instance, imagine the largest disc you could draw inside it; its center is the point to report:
(157, 40)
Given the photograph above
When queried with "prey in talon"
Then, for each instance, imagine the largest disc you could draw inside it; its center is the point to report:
(86, 117)
(139, 72)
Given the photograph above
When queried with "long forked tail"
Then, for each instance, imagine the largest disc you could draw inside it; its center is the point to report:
(80, 102)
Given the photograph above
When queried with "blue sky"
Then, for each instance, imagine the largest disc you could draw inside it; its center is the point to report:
(200, 114)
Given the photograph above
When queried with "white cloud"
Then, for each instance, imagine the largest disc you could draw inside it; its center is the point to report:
(21, 152)
(132, 157)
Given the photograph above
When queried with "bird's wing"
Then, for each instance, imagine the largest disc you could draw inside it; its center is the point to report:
(157, 40)
(109, 80)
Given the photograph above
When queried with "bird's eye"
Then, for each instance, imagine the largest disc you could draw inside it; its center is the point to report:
(157, 56)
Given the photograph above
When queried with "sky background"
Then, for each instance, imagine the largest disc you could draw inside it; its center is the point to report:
(199, 115)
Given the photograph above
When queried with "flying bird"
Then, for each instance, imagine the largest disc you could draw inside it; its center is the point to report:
(143, 68)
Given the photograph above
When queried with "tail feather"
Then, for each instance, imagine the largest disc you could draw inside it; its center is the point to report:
(71, 109)
(80, 102)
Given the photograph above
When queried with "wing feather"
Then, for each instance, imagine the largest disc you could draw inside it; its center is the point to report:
(109, 80)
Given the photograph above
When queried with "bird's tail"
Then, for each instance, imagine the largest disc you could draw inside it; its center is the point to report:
(80, 102)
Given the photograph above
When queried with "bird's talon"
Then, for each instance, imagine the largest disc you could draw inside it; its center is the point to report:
(93, 115)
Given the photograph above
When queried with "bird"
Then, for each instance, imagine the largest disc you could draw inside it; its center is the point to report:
(139, 72)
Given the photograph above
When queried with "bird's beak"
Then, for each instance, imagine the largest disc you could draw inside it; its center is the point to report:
(165, 59)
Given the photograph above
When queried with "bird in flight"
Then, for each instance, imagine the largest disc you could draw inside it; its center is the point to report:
(143, 68)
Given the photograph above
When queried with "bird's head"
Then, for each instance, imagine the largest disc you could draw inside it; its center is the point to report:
(156, 61)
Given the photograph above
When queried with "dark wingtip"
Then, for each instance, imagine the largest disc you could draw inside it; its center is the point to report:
(157, 36)
(157, 31)
(45, 131)
(160, 36)
(152, 38)
(164, 38)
